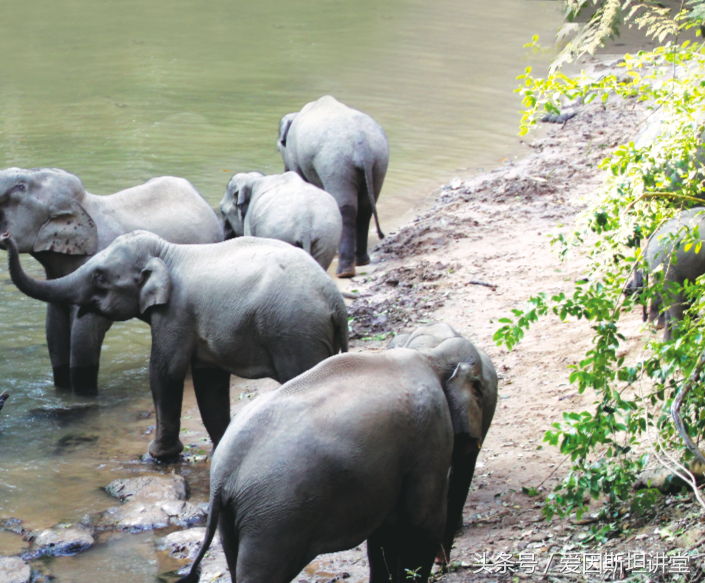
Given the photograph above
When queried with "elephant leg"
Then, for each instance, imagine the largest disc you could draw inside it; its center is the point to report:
(212, 388)
(168, 364)
(346, 247)
(291, 360)
(362, 229)
(58, 332)
(87, 334)
(417, 549)
(271, 556)
(229, 539)
(383, 553)
(465, 452)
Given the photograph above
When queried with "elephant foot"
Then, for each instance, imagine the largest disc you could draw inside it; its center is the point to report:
(161, 453)
(84, 380)
(363, 260)
(344, 271)
(62, 376)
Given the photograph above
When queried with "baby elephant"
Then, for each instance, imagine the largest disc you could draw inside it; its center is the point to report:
(468, 444)
(358, 448)
(284, 207)
(252, 307)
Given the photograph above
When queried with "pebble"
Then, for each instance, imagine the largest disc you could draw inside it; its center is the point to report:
(14, 570)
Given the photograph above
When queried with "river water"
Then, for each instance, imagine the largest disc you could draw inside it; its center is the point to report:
(119, 91)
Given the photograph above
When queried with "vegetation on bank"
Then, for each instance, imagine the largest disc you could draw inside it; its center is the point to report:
(646, 184)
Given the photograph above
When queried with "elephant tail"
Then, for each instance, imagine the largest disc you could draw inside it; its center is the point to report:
(369, 182)
(213, 515)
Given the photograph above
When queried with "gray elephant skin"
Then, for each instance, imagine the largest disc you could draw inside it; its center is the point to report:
(666, 250)
(251, 307)
(51, 216)
(346, 153)
(284, 207)
(358, 448)
(467, 446)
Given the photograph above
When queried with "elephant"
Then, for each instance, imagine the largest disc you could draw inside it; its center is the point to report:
(249, 306)
(346, 153)
(467, 446)
(51, 216)
(665, 245)
(284, 207)
(358, 448)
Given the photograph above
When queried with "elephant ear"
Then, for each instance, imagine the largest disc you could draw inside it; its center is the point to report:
(464, 392)
(284, 126)
(243, 199)
(70, 231)
(155, 284)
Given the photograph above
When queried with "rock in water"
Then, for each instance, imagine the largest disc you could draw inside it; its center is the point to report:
(14, 570)
(3, 398)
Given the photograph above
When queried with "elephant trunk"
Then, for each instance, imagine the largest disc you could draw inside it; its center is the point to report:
(53, 291)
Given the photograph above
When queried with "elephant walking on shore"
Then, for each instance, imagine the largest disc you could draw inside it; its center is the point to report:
(284, 207)
(251, 307)
(358, 448)
(50, 215)
(467, 445)
(345, 152)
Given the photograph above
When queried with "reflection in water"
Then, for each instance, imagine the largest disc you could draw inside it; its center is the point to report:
(119, 91)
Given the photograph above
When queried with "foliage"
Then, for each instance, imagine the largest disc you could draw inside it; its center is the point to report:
(646, 183)
(609, 16)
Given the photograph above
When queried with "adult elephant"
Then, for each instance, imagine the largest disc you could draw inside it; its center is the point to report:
(252, 307)
(356, 449)
(284, 207)
(678, 263)
(467, 444)
(344, 152)
(50, 215)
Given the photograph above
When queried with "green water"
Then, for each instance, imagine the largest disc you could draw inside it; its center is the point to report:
(120, 91)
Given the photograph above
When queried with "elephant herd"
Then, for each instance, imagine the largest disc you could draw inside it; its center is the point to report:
(376, 447)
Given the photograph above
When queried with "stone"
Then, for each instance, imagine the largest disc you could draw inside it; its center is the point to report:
(58, 542)
(140, 516)
(158, 487)
(14, 570)
(185, 544)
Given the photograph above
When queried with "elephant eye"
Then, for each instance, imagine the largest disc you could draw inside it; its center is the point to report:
(21, 187)
(100, 279)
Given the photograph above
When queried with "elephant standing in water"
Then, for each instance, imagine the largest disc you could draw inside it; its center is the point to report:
(344, 152)
(284, 207)
(50, 215)
(356, 449)
(252, 307)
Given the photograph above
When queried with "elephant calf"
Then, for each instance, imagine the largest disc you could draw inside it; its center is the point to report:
(666, 249)
(284, 207)
(252, 307)
(356, 449)
(344, 152)
(467, 445)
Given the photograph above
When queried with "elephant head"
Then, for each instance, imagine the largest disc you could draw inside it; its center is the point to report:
(236, 201)
(41, 209)
(119, 283)
(284, 126)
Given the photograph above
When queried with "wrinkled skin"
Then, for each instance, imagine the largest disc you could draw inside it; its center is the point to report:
(344, 152)
(51, 216)
(251, 307)
(467, 446)
(356, 449)
(284, 207)
(688, 265)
